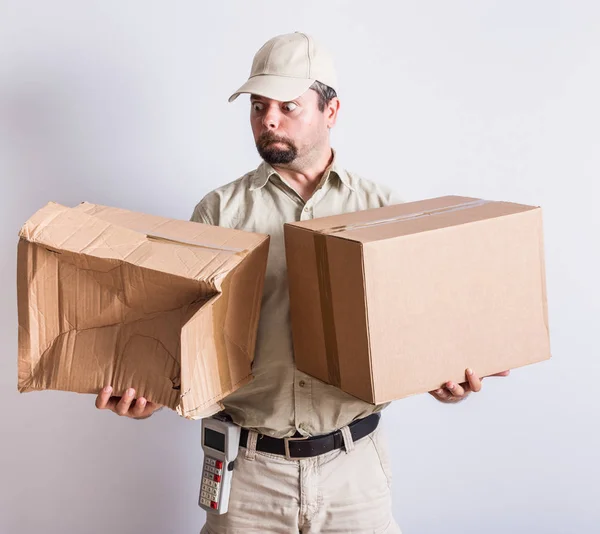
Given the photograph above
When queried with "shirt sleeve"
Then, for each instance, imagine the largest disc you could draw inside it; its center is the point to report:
(205, 211)
(394, 198)
(389, 197)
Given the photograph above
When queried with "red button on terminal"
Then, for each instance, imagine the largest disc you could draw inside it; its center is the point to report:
(219, 464)
(213, 505)
(217, 478)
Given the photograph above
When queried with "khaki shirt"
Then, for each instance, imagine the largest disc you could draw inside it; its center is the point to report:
(282, 400)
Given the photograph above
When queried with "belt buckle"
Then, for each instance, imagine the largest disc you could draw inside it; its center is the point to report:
(286, 445)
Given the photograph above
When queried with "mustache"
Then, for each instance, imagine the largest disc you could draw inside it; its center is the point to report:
(267, 138)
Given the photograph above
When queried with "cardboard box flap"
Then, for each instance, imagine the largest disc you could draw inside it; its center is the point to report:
(207, 375)
(409, 218)
(97, 236)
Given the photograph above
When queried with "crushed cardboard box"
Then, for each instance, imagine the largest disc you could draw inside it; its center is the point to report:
(396, 301)
(109, 296)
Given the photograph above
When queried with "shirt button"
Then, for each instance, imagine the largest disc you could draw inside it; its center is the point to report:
(306, 208)
(302, 383)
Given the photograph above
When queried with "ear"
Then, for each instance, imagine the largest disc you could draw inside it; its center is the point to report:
(331, 112)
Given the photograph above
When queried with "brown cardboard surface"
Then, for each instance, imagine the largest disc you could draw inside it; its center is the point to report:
(109, 296)
(395, 301)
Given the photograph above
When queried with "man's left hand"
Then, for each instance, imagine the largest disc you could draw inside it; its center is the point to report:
(452, 392)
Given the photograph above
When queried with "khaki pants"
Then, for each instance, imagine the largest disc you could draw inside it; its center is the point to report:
(341, 492)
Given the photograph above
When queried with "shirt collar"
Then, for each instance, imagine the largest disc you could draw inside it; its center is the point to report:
(264, 172)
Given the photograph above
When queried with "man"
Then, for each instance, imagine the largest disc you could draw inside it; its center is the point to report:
(280, 485)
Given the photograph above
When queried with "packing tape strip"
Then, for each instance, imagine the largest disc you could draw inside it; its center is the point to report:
(159, 237)
(408, 217)
(324, 277)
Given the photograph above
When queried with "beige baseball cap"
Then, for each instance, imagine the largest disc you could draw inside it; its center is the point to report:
(286, 66)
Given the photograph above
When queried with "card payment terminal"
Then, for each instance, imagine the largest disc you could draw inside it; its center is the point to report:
(220, 442)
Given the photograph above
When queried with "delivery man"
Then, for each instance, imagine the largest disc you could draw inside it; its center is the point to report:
(279, 484)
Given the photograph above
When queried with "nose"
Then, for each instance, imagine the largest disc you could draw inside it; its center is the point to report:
(271, 118)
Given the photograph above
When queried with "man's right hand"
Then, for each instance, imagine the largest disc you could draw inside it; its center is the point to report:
(127, 405)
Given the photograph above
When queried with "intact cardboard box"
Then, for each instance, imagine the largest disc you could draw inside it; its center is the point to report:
(109, 296)
(396, 301)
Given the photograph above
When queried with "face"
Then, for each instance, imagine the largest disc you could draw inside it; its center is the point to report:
(288, 132)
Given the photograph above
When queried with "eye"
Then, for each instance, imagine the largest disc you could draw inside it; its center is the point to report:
(257, 106)
(289, 106)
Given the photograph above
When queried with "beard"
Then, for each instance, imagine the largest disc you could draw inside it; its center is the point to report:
(273, 155)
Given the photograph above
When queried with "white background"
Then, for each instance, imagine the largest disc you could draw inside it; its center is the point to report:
(124, 103)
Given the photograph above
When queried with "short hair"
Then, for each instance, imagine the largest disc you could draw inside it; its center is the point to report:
(325, 93)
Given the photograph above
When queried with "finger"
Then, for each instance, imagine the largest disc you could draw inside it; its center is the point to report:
(125, 403)
(473, 380)
(112, 403)
(441, 394)
(457, 390)
(139, 408)
(103, 398)
(151, 407)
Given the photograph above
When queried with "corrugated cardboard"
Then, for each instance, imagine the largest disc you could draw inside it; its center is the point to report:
(109, 296)
(396, 301)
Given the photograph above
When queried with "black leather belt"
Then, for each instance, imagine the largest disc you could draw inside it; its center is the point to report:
(301, 447)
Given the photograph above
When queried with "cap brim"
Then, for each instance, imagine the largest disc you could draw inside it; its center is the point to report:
(275, 87)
